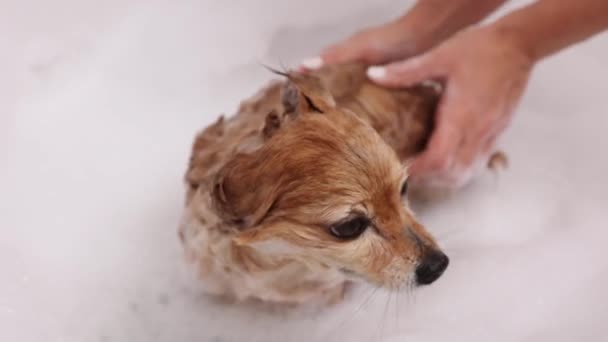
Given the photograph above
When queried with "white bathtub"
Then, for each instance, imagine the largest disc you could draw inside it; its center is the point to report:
(99, 102)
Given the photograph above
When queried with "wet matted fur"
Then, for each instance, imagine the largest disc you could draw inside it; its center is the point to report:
(267, 188)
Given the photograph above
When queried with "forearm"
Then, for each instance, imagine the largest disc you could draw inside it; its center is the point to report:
(548, 26)
(439, 19)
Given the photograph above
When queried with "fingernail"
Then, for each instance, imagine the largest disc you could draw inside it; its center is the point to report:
(376, 72)
(312, 63)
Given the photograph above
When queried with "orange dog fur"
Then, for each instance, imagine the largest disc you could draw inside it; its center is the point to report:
(304, 189)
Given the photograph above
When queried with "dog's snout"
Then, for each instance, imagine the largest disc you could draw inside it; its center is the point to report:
(432, 266)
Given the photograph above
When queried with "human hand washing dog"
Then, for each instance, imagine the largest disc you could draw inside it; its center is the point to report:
(484, 70)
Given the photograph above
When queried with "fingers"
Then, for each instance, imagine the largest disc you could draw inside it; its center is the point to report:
(374, 45)
(445, 138)
(472, 158)
(454, 147)
(339, 53)
(336, 54)
(480, 138)
(312, 63)
(351, 50)
(439, 155)
(407, 72)
(455, 154)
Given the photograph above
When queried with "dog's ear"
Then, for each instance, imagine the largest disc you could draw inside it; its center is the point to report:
(306, 93)
(243, 191)
(272, 124)
(301, 94)
(247, 186)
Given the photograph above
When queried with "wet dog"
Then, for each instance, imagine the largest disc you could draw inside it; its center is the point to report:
(305, 188)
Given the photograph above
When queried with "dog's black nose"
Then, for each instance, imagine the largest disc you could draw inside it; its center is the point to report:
(431, 268)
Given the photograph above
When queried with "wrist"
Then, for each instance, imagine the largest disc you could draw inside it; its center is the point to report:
(515, 38)
(432, 21)
(423, 25)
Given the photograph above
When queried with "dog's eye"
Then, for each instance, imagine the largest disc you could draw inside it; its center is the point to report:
(404, 189)
(350, 229)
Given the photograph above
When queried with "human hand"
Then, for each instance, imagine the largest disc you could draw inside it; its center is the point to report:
(484, 72)
(376, 45)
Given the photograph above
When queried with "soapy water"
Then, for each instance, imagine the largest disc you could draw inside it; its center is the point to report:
(96, 139)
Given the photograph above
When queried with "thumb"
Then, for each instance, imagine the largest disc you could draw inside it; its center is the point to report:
(406, 73)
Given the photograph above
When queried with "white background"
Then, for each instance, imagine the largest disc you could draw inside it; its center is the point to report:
(99, 102)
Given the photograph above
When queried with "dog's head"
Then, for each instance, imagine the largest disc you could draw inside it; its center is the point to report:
(325, 189)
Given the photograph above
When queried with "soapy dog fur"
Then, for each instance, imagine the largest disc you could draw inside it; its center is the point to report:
(304, 189)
